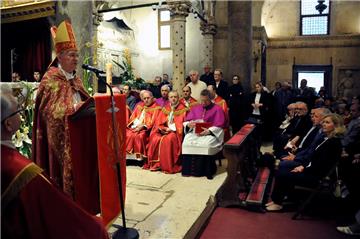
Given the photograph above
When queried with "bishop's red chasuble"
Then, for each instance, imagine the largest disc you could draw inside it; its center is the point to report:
(51, 141)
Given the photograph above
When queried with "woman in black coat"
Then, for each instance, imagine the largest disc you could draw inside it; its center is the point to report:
(236, 104)
(326, 154)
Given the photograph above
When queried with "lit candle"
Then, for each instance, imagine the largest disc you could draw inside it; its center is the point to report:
(108, 76)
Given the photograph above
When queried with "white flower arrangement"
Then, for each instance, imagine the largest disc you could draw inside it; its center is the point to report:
(22, 137)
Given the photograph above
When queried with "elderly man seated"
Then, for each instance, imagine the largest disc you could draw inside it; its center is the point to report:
(164, 146)
(140, 125)
(204, 137)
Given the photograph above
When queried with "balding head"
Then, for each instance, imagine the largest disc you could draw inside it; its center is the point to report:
(194, 76)
(186, 92)
(147, 97)
(173, 98)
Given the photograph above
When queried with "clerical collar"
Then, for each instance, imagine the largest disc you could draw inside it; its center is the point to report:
(8, 143)
(67, 75)
(209, 106)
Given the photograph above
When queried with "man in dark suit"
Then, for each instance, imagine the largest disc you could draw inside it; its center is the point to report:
(208, 76)
(306, 94)
(222, 87)
(310, 140)
(298, 127)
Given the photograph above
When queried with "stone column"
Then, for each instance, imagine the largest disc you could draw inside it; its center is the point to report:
(240, 41)
(97, 19)
(208, 30)
(179, 11)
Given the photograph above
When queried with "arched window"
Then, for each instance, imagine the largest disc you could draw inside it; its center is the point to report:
(311, 21)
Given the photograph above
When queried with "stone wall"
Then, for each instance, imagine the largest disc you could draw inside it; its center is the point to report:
(147, 60)
(341, 48)
(80, 14)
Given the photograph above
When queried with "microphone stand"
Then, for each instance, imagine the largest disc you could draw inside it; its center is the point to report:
(122, 232)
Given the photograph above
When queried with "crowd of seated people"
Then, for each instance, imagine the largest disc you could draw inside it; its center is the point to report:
(308, 140)
(159, 129)
(305, 152)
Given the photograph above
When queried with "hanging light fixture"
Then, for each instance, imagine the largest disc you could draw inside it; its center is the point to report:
(321, 6)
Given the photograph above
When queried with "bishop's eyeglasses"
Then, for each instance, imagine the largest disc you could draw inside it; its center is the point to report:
(19, 109)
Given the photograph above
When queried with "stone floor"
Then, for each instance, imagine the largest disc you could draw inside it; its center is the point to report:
(162, 205)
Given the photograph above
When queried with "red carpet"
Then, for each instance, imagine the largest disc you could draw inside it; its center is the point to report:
(240, 223)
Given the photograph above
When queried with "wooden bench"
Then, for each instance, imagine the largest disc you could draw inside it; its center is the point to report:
(241, 151)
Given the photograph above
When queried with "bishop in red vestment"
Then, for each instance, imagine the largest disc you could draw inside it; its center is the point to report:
(60, 93)
(166, 137)
(140, 125)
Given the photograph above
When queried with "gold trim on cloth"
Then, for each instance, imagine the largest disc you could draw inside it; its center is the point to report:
(15, 11)
(19, 182)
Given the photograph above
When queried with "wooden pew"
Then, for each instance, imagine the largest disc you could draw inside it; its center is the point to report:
(241, 151)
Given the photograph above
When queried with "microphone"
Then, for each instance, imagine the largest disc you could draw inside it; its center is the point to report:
(93, 69)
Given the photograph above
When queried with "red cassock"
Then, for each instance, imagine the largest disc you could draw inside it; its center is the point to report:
(136, 141)
(31, 207)
(164, 149)
(51, 141)
(191, 102)
(222, 103)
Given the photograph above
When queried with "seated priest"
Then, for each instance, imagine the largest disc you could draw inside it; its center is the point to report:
(164, 146)
(32, 206)
(215, 98)
(204, 137)
(164, 99)
(187, 100)
(140, 124)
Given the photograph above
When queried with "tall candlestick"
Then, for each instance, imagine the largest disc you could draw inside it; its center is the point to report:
(108, 76)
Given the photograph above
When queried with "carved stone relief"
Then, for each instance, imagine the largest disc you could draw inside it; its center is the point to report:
(348, 83)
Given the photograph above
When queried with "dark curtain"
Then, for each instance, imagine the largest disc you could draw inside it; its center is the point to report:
(31, 41)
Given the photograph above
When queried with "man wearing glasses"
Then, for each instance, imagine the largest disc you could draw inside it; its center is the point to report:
(60, 93)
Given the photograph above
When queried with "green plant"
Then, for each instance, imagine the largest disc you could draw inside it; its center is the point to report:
(127, 76)
(86, 76)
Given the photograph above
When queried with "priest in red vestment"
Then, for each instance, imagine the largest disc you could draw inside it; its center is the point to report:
(215, 98)
(187, 100)
(31, 206)
(140, 125)
(166, 137)
(60, 92)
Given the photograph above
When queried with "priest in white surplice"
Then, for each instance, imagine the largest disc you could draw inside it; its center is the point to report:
(210, 140)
